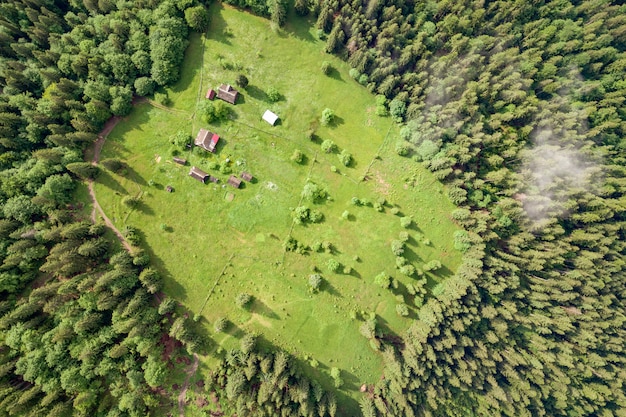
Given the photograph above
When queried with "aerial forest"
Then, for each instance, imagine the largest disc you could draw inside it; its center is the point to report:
(517, 107)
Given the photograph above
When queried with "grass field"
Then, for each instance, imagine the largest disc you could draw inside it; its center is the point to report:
(212, 242)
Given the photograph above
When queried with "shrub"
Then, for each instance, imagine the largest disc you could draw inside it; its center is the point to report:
(345, 157)
(407, 270)
(220, 324)
(397, 247)
(326, 67)
(333, 265)
(273, 95)
(403, 236)
(315, 216)
(314, 192)
(383, 280)
(243, 300)
(329, 146)
(297, 156)
(432, 265)
(354, 73)
(300, 214)
(181, 139)
(397, 108)
(402, 148)
(327, 117)
(345, 215)
(315, 282)
(402, 310)
(406, 221)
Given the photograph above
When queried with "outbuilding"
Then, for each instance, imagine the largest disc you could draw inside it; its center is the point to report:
(270, 117)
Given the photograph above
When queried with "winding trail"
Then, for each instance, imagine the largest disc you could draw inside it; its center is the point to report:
(108, 127)
(183, 392)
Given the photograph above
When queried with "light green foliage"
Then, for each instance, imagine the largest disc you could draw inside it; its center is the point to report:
(297, 156)
(406, 221)
(345, 158)
(328, 116)
(329, 146)
(315, 282)
(197, 18)
(402, 309)
(333, 265)
(432, 265)
(383, 280)
(273, 95)
(243, 300)
(326, 67)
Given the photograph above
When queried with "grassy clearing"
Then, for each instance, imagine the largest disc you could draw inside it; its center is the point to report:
(212, 242)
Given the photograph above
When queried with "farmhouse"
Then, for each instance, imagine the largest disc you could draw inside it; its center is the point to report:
(234, 181)
(180, 161)
(227, 93)
(210, 94)
(198, 174)
(270, 117)
(207, 140)
(246, 176)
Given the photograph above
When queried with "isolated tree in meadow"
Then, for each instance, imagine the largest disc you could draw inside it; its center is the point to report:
(243, 300)
(328, 116)
(272, 94)
(297, 156)
(345, 157)
(383, 280)
(328, 146)
(333, 265)
(315, 282)
(326, 67)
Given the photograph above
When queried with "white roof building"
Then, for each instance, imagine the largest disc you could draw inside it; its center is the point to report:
(270, 117)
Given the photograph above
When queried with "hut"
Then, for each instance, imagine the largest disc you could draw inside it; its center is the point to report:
(246, 176)
(198, 174)
(207, 140)
(180, 161)
(210, 94)
(234, 181)
(169, 189)
(227, 93)
(270, 117)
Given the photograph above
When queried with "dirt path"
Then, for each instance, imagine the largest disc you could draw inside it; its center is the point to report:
(183, 392)
(108, 127)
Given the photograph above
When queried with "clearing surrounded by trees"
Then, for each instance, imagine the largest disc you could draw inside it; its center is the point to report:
(336, 231)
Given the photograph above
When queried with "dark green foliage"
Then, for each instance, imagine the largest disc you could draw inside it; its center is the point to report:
(249, 379)
(241, 81)
(84, 170)
(197, 18)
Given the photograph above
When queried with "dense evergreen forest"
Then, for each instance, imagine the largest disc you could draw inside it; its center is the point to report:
(516, 106)
(519, 108)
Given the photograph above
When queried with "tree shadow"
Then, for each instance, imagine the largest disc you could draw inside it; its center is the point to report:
(218, 28)
(259, 307)
(335, 74)
(256, 93)
(134, 176)
(298, 26)
(388, 334)
(106, 179)
(330, 289)
(337, 121)
(144, 208)
(188, 72)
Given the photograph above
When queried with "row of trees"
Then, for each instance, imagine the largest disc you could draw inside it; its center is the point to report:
(517, 107)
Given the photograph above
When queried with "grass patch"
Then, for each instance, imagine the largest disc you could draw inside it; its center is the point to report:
(212, 242)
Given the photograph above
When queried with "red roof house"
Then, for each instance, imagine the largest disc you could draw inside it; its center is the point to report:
(210, 94)
(207, 140)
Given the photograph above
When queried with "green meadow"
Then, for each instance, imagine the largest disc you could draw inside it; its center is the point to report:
(212, 242)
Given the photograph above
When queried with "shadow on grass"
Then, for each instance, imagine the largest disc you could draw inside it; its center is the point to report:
(193, 64)
(173, 288)
(106, 179)
(330, 289)
(134, 176)
(335, 74)
(144, 208)
(259, 307)
(256, 93)
(218, 28)
(299, 27)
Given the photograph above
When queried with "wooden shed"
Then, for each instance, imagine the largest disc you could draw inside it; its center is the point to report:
(234, 181)
(227, 93)
(246, 176)
(180, 161)
(198, 174)
(210, 94)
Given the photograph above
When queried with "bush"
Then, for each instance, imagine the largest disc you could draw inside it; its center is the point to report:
(220, 324)
(333, 265)
(402, 148)
(273, 95)
(297, 156)
(354, 73)
(326, 67)
(432, 265)
(315, 282)
(314, 192)
(345, 215)
(406, 221)
(243, 300)
(327, 117)
(181, 139)
(407, 270)
(397, 247)
(383, 280)
(402, 310)
(329, 146)
(397, 108)
(162, 98)
(345, 157)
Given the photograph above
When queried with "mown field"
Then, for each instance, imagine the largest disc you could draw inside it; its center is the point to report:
(212, 242)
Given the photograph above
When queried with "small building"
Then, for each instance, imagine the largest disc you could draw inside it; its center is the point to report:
(198, 174)
(234, 181)
(207, 140)
(180, 161)
(270, 117)
(210, 94)
(246, 176)
(227, 93)
(214, 179)
(169, 189)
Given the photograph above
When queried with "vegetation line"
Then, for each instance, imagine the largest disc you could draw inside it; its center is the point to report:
(206, 300)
